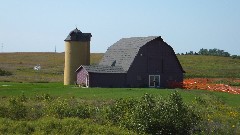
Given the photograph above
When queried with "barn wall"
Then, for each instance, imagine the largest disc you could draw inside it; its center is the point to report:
(107, 80)
(154, 58)
(81, 76)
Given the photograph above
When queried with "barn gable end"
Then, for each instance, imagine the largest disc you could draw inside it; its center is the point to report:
(155, 59)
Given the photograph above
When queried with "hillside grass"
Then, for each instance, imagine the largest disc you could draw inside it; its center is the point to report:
(21, 66)
(52, 64)
(210, 66)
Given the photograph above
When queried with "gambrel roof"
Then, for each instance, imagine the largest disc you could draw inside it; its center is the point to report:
(120, 56)
(123, 52)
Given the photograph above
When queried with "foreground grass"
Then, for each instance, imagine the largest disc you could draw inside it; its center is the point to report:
(66, 126)
(51, 108)
(55, 109)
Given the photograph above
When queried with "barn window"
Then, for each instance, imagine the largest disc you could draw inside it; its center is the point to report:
(154, 80)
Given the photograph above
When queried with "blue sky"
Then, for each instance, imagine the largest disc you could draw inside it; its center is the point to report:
(186, 25)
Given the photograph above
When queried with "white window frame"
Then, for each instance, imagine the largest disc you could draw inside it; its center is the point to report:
(154, 82)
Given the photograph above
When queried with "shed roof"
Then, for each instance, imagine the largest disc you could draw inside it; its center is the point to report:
(102, 69)
(77, 35)
(123, 52)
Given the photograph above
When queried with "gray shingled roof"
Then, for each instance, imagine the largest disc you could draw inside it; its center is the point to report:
(77, 35)
(102, 69)
(124, 51)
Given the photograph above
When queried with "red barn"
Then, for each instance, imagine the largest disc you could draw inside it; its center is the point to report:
(134, 62)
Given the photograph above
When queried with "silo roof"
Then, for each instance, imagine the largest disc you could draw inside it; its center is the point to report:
(77, 35)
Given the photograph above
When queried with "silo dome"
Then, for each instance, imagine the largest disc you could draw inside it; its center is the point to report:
(77, 35)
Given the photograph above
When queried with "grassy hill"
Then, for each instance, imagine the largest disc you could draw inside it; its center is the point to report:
(210, 66)
(22, 64)
(52, 65)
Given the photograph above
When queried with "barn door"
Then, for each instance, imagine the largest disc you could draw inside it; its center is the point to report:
(154, 80)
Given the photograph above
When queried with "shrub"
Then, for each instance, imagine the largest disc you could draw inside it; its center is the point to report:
(3, 111)
(61, 108)
(16, 110)
(152, 116)
(217, 118)
(44, 97)
(5, 73)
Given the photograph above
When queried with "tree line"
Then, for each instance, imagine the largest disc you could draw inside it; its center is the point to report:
(212, 52)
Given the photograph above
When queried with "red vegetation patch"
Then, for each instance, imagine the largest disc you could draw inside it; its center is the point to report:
(207, 84)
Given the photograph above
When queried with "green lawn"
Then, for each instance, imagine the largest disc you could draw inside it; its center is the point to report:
(58, 89)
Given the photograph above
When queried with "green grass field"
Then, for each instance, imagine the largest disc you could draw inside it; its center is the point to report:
(57, 89)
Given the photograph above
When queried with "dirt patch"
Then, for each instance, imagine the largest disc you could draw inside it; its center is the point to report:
(212, 84)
